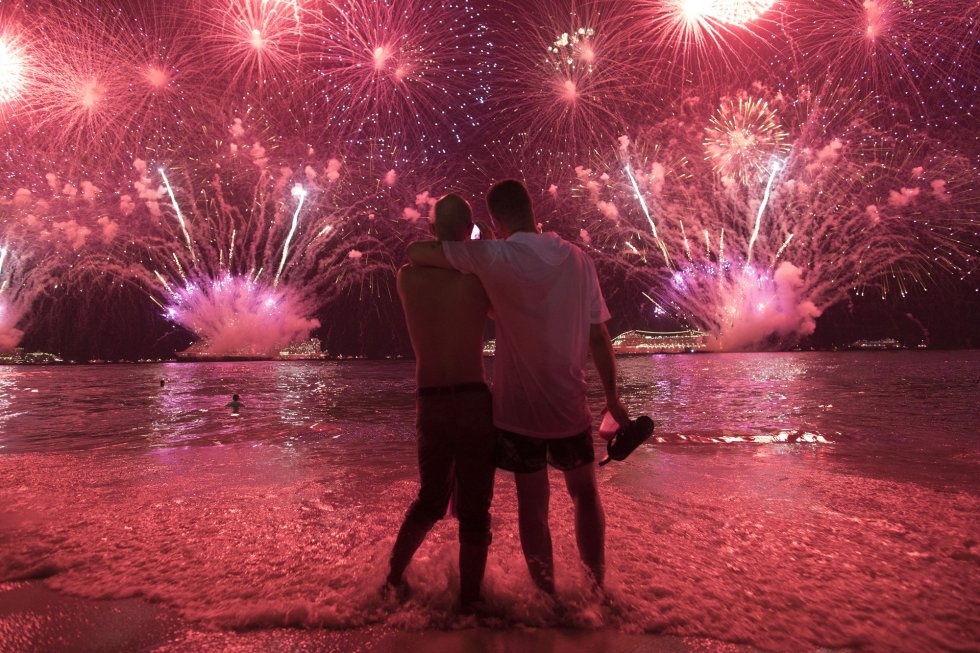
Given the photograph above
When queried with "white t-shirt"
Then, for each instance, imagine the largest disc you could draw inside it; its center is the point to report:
(544, 295)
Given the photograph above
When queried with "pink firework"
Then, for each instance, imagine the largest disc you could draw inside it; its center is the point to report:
(733, 12)
(890, 49)
(51, 233)
(76, 100)
(170, 89)
(108, 85)
(743, 139)
(13, 68)
(394, 73)
(567, 81)
(253, 44)
(700, 35)
(861, 212)
(243, 252)
(98, 89)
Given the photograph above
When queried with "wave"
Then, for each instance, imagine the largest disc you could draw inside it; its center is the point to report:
(760, 550)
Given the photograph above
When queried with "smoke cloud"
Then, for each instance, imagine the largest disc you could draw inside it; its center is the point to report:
(763, 310)
(235, 316)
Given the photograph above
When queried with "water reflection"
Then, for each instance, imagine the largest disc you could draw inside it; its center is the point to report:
(367, 408)
(8, 389)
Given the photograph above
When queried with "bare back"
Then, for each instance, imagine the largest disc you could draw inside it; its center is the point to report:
(446, 312)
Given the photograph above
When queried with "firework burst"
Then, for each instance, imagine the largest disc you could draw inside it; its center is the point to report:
(566, 83)
(336, 121)
(14, 300)
(254, 44)
(50, 236)
(755, 265)
(891, 50)
(705, 37)
(246, 259)
(733, 12)
(13, 69)
(103, 86)
(394, 73)
(744, 139)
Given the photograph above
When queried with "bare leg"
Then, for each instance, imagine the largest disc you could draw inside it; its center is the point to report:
(590, 523)
(532, 511)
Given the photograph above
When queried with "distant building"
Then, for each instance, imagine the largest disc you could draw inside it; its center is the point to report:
(20, 357)
(653, 342)
(306, 350)
(635, 343)
(877, 345)
(200, 351)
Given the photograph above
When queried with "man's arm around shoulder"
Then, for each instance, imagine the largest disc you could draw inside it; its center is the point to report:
(428, 253)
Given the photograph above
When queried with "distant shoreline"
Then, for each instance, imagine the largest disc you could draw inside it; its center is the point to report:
(343, 359)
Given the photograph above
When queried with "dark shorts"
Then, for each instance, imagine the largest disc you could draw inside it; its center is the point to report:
(524, 454)
(457, 444)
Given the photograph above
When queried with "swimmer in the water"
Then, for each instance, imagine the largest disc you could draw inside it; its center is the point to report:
(234, 404)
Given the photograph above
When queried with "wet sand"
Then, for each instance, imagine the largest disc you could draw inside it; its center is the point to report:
(135, 523)
(35, 619)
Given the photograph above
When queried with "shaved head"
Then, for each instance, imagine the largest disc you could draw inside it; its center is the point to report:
(452, 218)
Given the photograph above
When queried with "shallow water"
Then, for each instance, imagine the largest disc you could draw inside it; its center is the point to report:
(791, 501)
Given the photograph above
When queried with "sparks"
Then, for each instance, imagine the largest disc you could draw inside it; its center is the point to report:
(762, 207)
(11, 71)
(298, 192)
(180, 216)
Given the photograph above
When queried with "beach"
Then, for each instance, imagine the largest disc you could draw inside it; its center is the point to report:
(791, 502)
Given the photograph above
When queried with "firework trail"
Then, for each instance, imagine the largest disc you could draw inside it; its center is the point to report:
(50, 235)
(755, 264)
(246, 259)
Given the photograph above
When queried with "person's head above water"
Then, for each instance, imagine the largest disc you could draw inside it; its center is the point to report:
(234, 397)
(452, 218)
(510, 205)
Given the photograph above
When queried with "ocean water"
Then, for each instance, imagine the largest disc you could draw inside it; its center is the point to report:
(790, 501)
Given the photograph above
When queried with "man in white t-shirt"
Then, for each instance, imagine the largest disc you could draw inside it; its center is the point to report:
(549, 314)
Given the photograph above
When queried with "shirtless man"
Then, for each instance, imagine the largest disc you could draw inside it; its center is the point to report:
(446, 314)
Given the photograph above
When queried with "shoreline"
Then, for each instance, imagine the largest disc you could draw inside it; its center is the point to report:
(399, 358)
(270, 532)
(37, 619)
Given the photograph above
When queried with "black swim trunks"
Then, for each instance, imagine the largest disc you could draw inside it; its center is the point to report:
(457, 443)
(525, 454)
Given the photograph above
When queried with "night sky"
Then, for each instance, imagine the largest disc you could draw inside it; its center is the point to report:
(305, 142)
